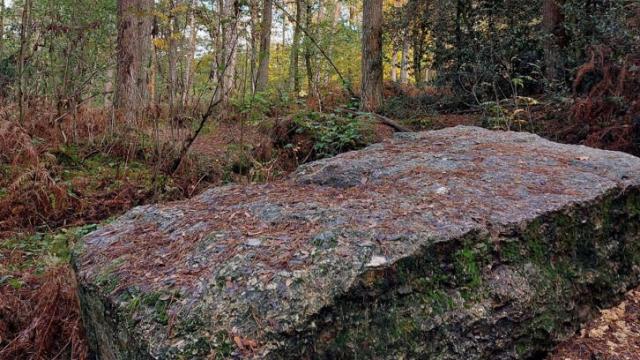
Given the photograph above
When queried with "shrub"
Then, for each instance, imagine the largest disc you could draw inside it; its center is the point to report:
(332, 133)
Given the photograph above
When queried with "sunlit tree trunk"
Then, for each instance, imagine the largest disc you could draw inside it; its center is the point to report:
(371, 94)
(404, 60)
(294, 83)
(394, 65)
(133, 50)
(552, 19)
(262, 79)
(353, 14)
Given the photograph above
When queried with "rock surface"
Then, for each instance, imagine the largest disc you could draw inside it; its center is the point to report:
(458, 243)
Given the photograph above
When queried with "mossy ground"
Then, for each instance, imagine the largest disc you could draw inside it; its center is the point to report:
(39, 251)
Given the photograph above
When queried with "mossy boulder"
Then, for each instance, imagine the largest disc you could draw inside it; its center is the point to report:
(458, 243)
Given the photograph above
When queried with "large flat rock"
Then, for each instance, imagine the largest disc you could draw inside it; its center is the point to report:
(458, 243)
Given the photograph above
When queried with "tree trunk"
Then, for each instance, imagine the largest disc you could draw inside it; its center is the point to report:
(265, 44)
(226, 62)
(371, 94)
(133, 50)
(353, 13)
(254, 42)
(320, 65)
(394, 65)
(154, 95)
(294, 83)
(418, 52)
(404, 60)
(334, 16)
(458, 35)
(188, 71)
(1, 25)
(307, 49)
(25, 26)
(173, 68)
(108, 88)
(145, 46)
(552, 19)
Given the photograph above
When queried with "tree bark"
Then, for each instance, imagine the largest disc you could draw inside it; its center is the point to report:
(254, 42)
(418, 52)
(108, 88)
(188, 71)
(307, 47)
(154, 95)
(265, 44)
(334, 15)
(458, 35)
(25, 26)
(404, 60)
(2, 10)
(552, 23)
(226, 59)
(133, 50)
(294, 83)
(371, 94)
(173, 54)
(394, 65)
(353, 13)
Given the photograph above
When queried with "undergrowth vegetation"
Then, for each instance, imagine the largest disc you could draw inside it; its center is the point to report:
(39, 312)
(332, 133)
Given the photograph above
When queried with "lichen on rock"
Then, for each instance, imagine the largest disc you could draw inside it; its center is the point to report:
(461, 242)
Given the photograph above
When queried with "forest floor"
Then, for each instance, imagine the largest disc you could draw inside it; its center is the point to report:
(52, 193)
(615, 334)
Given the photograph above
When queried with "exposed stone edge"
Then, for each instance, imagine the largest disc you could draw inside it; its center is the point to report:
(304, 344)
(124, 344)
